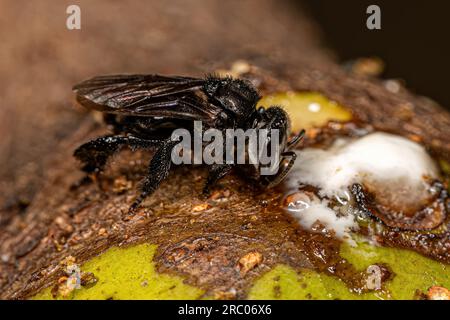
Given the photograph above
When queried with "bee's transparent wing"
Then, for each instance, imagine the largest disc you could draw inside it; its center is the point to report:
(147, 96)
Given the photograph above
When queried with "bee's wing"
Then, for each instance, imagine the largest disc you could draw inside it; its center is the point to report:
(147, 96)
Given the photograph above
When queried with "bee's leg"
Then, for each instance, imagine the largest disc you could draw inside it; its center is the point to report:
(281, 174)
(216, 172)
(94, 154)
(158, 170)
(295, 140)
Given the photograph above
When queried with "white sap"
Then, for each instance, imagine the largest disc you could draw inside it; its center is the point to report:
(393, 164)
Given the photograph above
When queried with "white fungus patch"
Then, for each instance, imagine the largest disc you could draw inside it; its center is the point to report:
(390, 164)
(310, 210)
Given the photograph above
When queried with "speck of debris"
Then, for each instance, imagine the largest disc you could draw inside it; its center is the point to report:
(63, 224)
(392, 85)
(249, 261)
(121, 184)
(144, 283)
(67, 261)
(238, 68)
(371, 67)
(200, 207)
(220, 196)
(88, 279)
(438, 293)
(225, 295)
(73, 279)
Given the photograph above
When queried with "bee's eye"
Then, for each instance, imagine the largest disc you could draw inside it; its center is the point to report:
(222, 119)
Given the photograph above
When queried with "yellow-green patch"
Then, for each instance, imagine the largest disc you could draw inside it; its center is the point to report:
(307, 109)
(412, 272)
(445, 166)
(129, 273)
(283, 282)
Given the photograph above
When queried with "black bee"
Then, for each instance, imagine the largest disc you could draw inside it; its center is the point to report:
(145, 109)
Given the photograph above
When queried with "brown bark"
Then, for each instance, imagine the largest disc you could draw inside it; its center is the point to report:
(41, 129)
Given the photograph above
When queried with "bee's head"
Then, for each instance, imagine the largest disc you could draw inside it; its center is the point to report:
(277, 145)
(275, 118)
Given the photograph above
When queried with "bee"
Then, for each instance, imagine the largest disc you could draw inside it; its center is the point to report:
(143, 110)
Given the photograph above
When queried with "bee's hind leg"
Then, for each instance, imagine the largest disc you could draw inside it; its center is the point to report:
(94, 154)
(158, 170)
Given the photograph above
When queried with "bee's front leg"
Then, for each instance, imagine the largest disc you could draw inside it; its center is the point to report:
(216, 172)
(282, 172)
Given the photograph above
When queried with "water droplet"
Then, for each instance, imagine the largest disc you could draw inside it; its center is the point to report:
(297, 202)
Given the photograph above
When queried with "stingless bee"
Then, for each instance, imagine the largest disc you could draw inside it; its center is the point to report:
(145, 109)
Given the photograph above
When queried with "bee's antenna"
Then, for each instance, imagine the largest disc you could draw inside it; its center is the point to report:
(295, 140)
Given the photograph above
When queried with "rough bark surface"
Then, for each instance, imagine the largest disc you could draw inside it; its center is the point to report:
(46, 218)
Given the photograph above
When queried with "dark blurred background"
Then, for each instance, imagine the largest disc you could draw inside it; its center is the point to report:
(413, 42)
